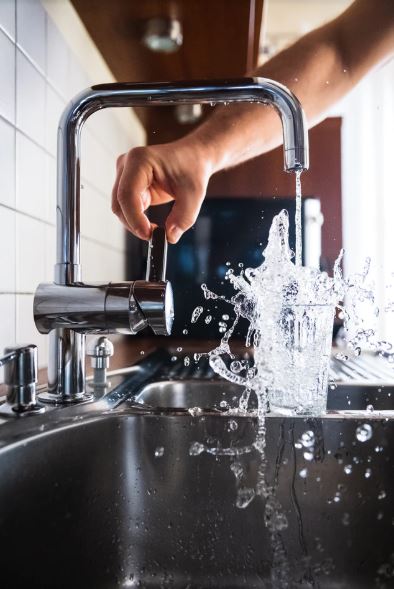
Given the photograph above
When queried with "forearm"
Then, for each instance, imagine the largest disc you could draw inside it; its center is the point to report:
(320, 69)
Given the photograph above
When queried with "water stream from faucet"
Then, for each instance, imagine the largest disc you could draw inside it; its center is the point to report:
(298, 219)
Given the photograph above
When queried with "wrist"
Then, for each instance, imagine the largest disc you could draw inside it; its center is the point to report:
(206, 147)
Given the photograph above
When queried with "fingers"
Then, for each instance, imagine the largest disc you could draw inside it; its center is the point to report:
(183, 214)
(154, 175)
(130, 195)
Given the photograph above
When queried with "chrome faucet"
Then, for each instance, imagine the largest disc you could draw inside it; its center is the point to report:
(68, 308)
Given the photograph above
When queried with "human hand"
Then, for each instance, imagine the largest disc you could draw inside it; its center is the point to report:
(155, 175)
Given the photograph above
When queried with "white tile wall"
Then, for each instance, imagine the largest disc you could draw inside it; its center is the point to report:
(39, 73)
(7, 249)
(58, 59)
(31, 31)
(7, 321)
(54, 108)
(30, 99)
(30, 253)
(7, 163)
(31, 161)
(7, 17)
(7, 77)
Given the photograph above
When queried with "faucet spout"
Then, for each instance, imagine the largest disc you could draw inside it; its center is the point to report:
(67, 345)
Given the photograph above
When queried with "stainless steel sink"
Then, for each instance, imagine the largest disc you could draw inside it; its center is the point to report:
(93, 497)
(115, 500)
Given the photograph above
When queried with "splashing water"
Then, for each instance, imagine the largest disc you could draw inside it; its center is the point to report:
(290, 310)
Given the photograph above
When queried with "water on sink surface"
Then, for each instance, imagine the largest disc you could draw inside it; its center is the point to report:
(104, 509)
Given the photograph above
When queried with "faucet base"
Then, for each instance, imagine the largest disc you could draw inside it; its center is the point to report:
(56, 399)
(10, 410)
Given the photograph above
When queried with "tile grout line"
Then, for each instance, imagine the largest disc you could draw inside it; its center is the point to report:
(53, 225)
(6, 33)
(15, 175)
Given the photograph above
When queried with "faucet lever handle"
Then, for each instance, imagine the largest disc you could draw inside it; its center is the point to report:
(157, 256)
(154, 294)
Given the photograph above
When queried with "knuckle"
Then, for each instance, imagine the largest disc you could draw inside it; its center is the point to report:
(136, 154)
(120, 159)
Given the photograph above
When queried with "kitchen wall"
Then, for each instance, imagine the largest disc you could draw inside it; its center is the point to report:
(46, 57)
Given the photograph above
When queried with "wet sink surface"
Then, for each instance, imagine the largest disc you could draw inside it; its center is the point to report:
(116, 500)
(208, 394)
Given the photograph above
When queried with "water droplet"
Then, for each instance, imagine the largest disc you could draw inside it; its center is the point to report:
(244, 497)
(208, 319)
(233, 425)
(186, 361)
(159, 451)
(308, 455)
(179, 349)
(196, 448)
(142, 352)
(174, 358)
(237, 469)
(368, 473)
(382, 494)
(196, 314)
(225, 317)
(370, 408)
(348, 469)
(223, 404)
(303, 473)
(236, 366)
(195, 411)
(308, 439)
(364, 432)
(185, 332)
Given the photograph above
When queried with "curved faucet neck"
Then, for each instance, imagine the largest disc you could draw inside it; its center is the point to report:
(295, 140)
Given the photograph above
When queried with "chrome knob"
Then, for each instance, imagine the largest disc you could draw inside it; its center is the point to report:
(100, 351)
(20, 378)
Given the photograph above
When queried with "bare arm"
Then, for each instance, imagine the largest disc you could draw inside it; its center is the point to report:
(320, 69)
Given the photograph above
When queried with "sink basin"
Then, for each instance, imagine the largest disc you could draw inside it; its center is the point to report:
(209, 394)
(106, 499)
